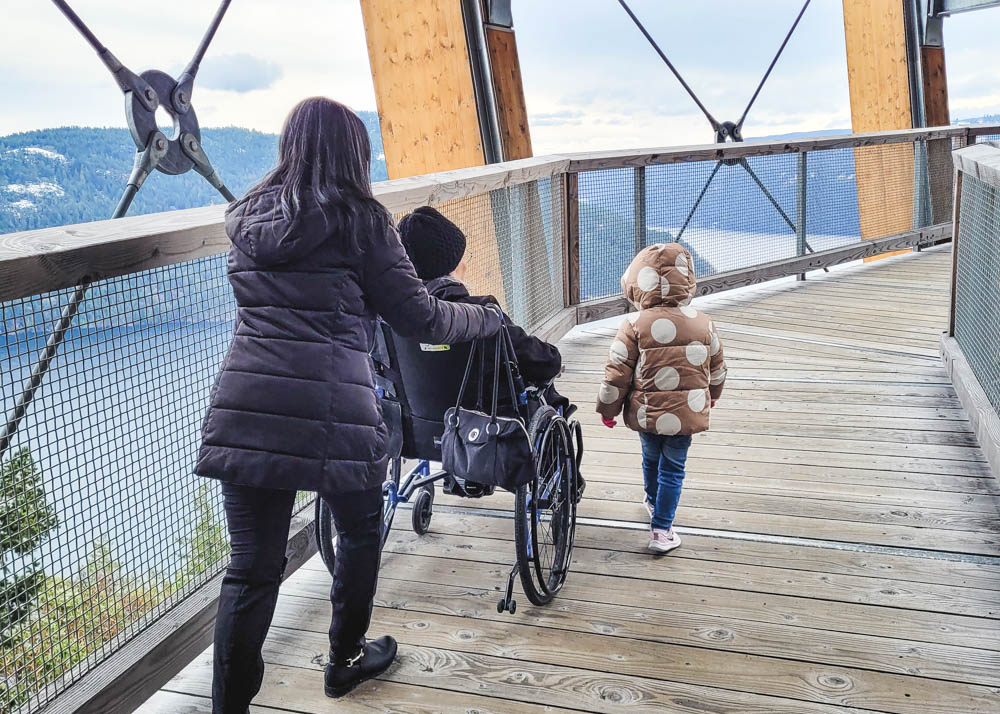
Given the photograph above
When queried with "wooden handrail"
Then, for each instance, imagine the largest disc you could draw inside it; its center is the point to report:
(979, 160)
(39, 261)
(592, 161)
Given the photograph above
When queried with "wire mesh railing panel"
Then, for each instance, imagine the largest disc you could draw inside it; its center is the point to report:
(737, 214)
(104, 526)
(977, 283)
(607, 229)
(514, 247)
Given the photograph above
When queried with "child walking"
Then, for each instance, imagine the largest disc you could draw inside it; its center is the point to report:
(666, 370)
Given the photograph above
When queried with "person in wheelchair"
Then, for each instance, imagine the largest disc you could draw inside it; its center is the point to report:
(437, 249)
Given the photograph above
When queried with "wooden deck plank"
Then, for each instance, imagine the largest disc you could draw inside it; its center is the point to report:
(749, 424)
(947, 662)
(293, 683)
(840, 476)
(957, 573)
(714, 599)
(754, 674)
(850, 523)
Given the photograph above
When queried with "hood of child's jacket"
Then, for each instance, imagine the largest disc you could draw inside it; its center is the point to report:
(261, 229)
(661, 274)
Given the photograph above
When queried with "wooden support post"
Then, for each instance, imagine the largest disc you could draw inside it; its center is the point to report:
(880, 99)
(422, 72)
(423, 85)
(424, 77)
(512, 112)
(936, 112)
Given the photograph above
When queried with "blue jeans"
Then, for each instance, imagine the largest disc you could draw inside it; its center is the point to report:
(663, 459)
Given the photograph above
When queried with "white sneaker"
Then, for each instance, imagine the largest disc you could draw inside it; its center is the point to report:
(662, 541)
(648, 505)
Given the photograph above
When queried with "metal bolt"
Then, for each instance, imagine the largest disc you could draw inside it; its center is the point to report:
(150, 94)
(161, 143)
(183, 97)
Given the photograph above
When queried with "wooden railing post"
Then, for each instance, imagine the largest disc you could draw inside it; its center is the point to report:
(571, 244)
(639, 199)
(800, 206)
(956, 220)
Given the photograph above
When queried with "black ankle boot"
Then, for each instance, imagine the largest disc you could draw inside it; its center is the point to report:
(373, 659)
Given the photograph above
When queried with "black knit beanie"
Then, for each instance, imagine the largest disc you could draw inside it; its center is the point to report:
(435, 244)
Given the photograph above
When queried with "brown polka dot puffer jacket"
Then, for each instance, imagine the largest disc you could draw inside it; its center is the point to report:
(666, 364)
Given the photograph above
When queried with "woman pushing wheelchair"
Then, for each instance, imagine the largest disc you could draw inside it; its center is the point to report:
(314, 259)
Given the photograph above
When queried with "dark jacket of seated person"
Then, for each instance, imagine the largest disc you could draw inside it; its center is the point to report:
(436, 247)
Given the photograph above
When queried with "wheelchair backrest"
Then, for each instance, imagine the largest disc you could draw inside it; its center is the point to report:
(427, 379)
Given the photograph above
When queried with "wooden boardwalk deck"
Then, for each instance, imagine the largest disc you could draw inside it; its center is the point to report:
(841, 544)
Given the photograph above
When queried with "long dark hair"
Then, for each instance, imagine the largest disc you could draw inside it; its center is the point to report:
(324, 160)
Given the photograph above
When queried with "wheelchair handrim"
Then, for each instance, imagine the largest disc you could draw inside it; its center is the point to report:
(550, 576)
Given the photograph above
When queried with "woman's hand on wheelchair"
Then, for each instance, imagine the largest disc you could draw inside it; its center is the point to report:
(492, 319)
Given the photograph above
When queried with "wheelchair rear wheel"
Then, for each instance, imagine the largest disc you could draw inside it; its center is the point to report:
(326, 529)
(545, 510)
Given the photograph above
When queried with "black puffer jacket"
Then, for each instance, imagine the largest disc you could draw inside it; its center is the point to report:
(294, 405)
(537, 360)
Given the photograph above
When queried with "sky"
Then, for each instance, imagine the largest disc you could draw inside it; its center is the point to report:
(591, 81)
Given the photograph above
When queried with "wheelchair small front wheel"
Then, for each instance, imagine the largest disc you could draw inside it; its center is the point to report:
(423, 509)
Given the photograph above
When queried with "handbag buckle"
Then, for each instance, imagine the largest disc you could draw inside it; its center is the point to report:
(473, 435)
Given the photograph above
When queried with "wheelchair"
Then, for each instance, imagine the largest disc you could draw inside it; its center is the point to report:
(417, 383)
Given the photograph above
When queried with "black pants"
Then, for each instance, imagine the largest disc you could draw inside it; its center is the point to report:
(258, 520)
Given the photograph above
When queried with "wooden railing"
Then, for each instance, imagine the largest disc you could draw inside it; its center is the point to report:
(496, 205)
(970, 347)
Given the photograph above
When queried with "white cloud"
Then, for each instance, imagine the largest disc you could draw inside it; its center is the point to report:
(240, 72)
(49, 76)
(591, 81)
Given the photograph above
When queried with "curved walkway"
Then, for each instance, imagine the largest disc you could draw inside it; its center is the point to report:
(841, 550)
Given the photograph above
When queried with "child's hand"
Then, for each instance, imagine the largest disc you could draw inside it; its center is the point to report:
(610, 423)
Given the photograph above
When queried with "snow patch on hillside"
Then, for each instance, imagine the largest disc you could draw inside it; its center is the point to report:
(39, 189)
(20, 207)
(38, 151)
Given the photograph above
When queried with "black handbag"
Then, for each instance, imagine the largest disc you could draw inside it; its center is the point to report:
(489, 448)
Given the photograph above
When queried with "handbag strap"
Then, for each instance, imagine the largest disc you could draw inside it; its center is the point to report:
(468, 371)
(504, 348)
(481, 379)
(496, 373)
(510, 367)
(514, 373)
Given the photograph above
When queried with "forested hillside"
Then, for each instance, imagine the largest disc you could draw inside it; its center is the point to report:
(66, 175)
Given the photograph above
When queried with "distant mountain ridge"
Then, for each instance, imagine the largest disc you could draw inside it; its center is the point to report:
(52, 177)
